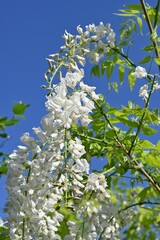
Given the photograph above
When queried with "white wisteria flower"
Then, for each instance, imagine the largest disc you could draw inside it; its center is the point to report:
(140, 72)
(143, 92)
(156, 86)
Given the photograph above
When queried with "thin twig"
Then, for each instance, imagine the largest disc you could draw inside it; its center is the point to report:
(142, 118)
(151, 29)
(138, 204)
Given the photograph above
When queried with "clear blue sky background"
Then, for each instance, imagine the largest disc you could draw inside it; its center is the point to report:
(30, 31)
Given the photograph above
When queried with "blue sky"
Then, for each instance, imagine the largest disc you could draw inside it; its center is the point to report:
(30, 31)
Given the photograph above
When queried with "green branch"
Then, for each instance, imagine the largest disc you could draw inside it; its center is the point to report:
(151, 27)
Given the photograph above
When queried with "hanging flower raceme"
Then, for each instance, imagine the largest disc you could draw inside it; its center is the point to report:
(93, 43)
(48, 181)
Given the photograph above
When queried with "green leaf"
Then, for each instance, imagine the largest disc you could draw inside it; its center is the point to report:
(20, 108)
(129, 11)
(134, 6)
(131, 79)
(152, 159)
(111, 110)
(96, 71)
(115, 58)
(11, 122)
(148, 48)
(158, 146)
(3, 135)
(143, 194)
(148, 131)
(3, 169)
(134, 26)
(145, 60)
(98, 125)
(102, 70)
(158, 218)
(128, 122)
(157, 60)
(63, 229)
(109, 70)
(109, 158)
(3, 123)
(124, 43)
(139, 21)
(121, 73)
(125, 14)
(3, 120)
(146, 144)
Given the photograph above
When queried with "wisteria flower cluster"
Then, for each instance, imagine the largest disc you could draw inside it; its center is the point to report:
(93, 43)
(49, 182)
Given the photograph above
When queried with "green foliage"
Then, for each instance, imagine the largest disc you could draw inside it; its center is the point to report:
(18, 111)
(124, 137)
(3, 233)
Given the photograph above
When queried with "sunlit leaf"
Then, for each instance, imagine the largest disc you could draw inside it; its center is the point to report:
(139, 21)
(158, 146)
(157, 60)
(109, 70)
(128, 122)
(125, 14)
(121, 73)
(131, 79)
(148, 131)
(134, 6)
(147, 144)
(153, 159)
